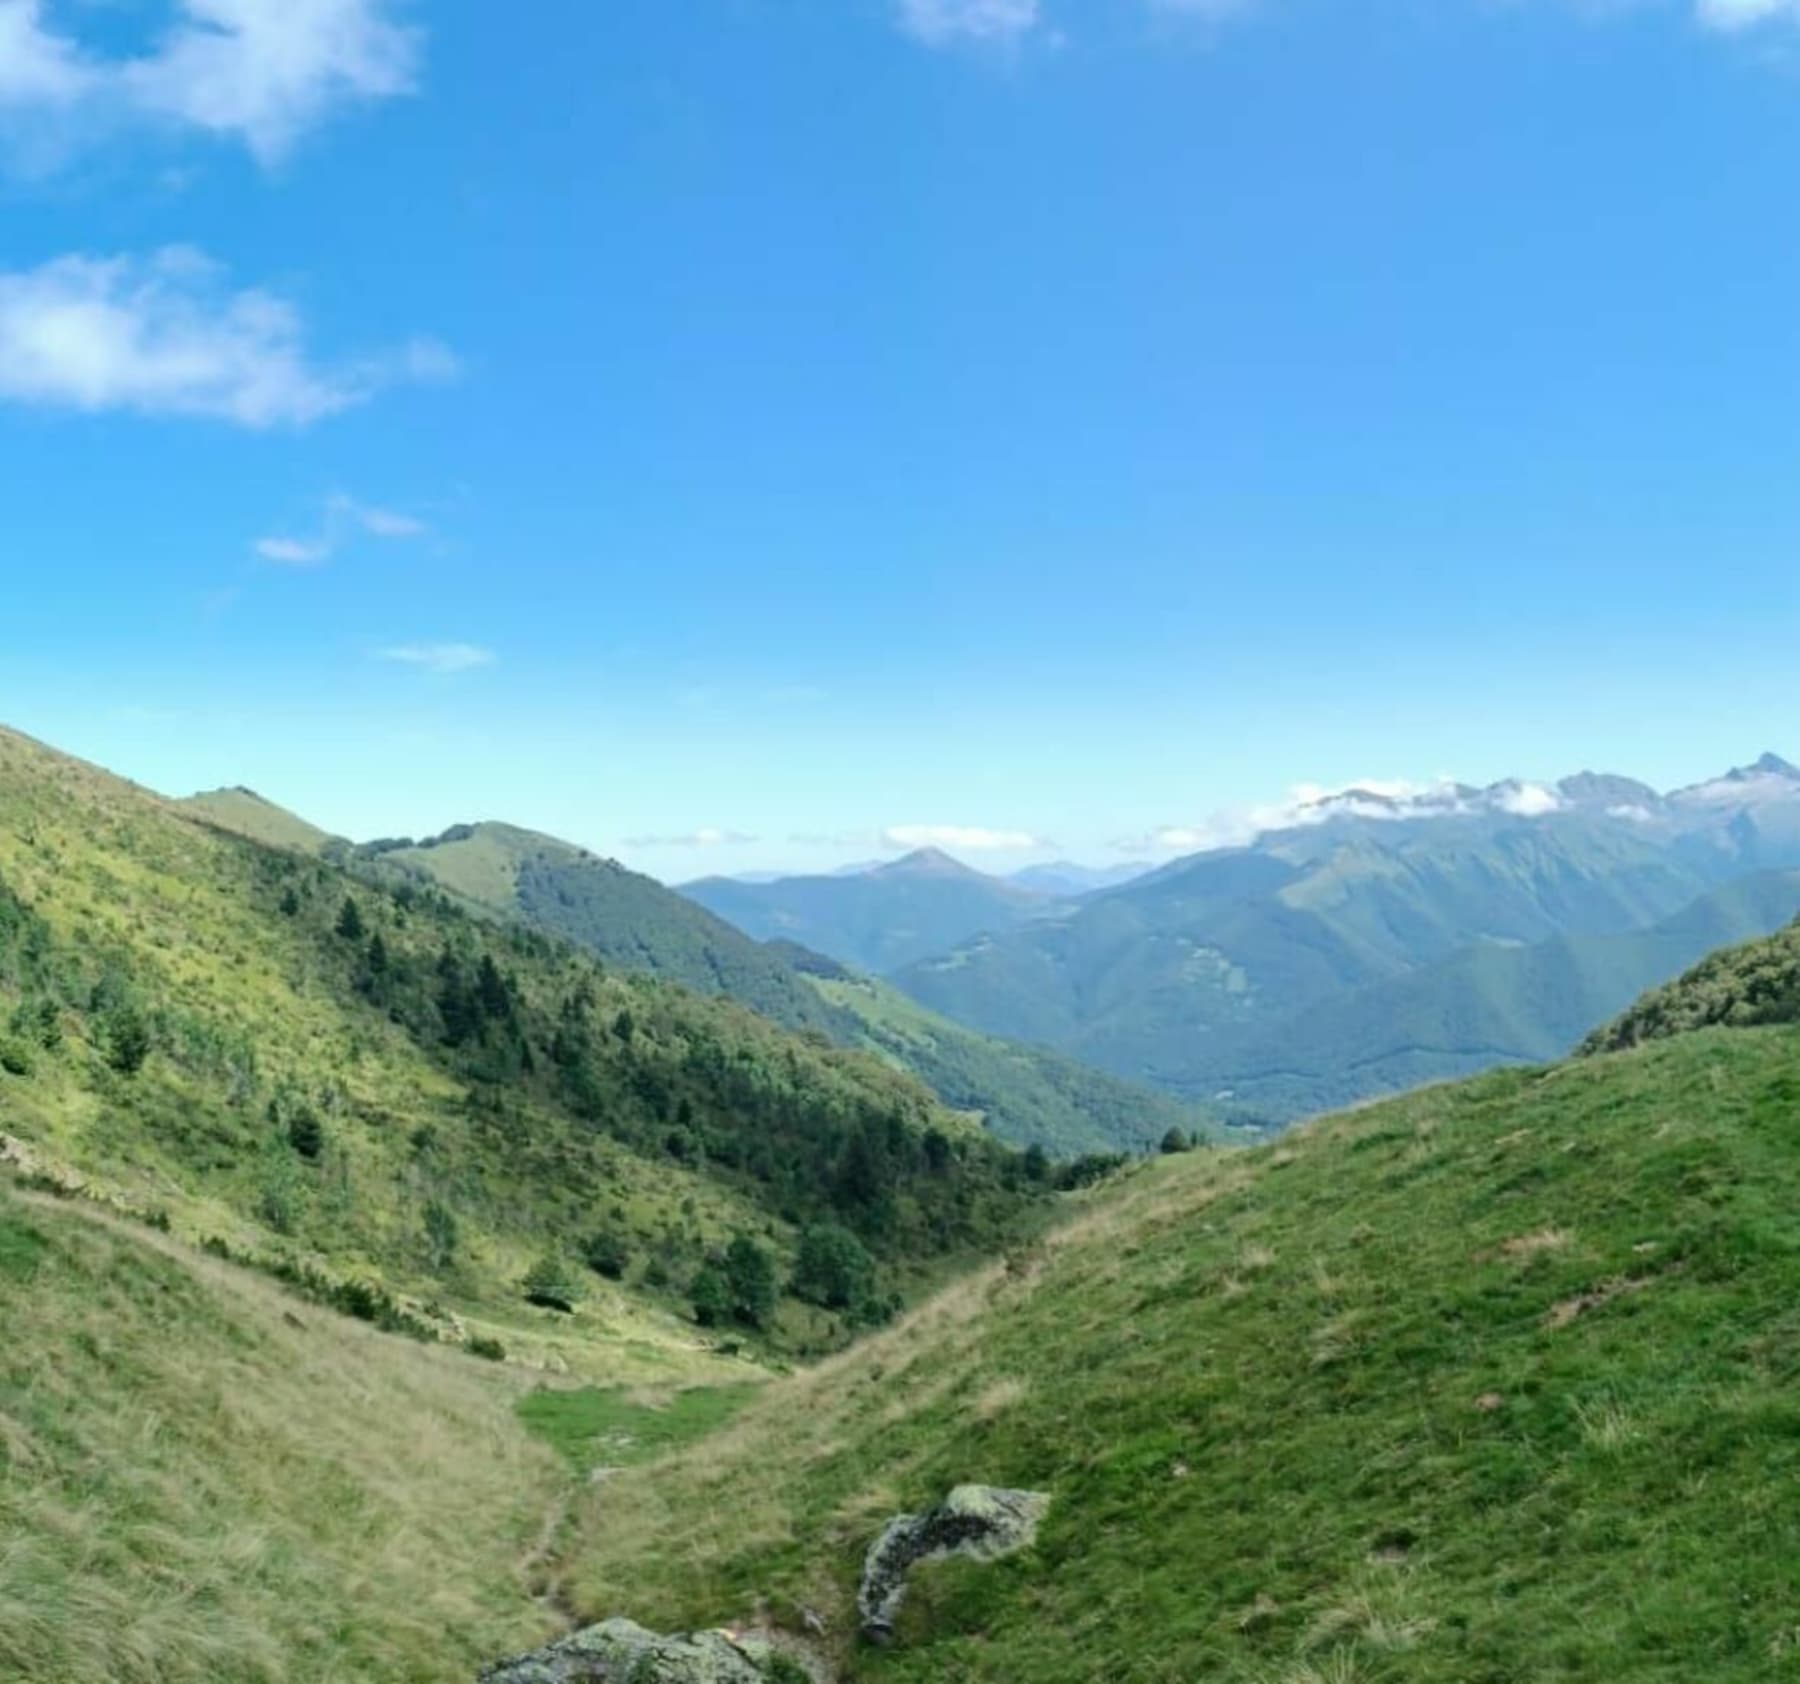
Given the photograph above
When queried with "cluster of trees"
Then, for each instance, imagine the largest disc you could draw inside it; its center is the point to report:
(740, 1284)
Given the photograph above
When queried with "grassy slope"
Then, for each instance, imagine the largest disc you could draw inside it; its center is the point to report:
(198, 1484)
(254, 1008)
(1489, 1384)
(245, 813)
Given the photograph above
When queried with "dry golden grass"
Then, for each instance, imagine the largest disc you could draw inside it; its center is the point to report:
(201, 1482)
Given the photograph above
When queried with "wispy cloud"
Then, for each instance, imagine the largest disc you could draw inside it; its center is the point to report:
(293, 552)
(707, 836)
(439, 657)
(943, 23)
(972, 838)
(165, 335)
(344, 518)
(1744, 14)
(261, 72)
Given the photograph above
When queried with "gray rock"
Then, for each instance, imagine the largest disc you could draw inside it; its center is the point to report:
(621, 1652)
(979, 1521)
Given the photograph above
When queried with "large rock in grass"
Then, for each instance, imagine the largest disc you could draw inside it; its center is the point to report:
(621, 1652)
(979, 1521)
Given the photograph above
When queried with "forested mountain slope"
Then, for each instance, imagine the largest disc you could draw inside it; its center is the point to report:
(1366, 948)
(326, 1070)
(1025, 1096)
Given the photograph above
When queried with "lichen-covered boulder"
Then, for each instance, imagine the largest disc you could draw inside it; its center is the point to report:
(621, 1652)
(980, 1521)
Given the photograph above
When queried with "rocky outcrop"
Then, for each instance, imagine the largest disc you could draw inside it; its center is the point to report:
(980, 1521)
(621, 1652)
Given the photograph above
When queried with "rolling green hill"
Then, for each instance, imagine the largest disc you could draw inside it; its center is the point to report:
(363, 1080)
(876, 920)
(245, 813)
(1493, 1382)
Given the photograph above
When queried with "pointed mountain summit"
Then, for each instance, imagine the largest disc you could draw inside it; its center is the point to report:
(929, 862)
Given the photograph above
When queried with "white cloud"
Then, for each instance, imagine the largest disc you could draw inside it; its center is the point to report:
(293, 552)
(942, 23)
(440, 657)
(164, 335)
(1388, 800)
(37, 67)
(974, 838)
(1526, 801)
(707, 836)
(259, 71)
(386, 523)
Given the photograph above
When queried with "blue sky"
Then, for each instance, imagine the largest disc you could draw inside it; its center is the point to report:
(814, 425)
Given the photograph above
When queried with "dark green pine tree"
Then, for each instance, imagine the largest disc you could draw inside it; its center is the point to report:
(350, 922)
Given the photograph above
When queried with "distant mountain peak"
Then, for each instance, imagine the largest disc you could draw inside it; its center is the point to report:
(1772, 766)
(925, 862)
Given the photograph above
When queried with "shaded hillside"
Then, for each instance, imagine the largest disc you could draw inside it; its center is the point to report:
(879, 919)
(315, 1067)
(1493, 1382)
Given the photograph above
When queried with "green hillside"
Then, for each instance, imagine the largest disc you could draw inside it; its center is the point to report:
(245, 813)
(876, 920)
(1493, 1382)
(1021, 1094)
(336, 1076)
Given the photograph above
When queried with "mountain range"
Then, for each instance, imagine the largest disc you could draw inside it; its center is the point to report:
(1374, 941)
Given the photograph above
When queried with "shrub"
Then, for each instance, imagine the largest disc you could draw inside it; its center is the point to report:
(710, 1296)
(127, 1040)
(15, 1057)
(750, 1279)
(607, 1254)
(306, 1134)
(833, 1270)
(489, 1350)
(550, 1285)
